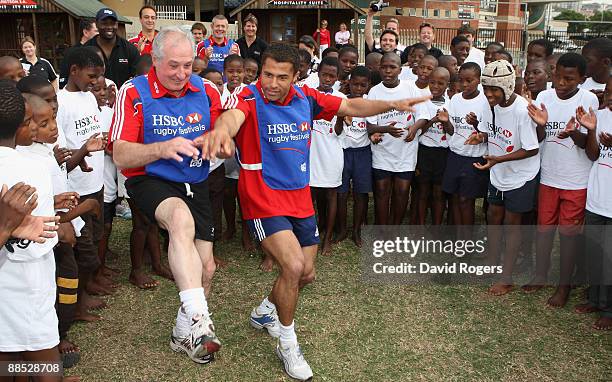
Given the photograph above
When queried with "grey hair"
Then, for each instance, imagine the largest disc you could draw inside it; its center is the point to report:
(170, 36)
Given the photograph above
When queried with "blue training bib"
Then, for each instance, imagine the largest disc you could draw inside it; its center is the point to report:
(166, 118)
(284, 133)
(218, 54)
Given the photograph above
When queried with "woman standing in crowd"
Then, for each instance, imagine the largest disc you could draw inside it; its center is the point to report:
(34, 65)
(342, 37)
(250, 45)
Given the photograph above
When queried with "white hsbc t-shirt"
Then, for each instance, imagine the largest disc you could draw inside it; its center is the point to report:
(326, 155)
(435, 135)
(43, 154)
(458, 108)
(591, 84)
(599, 193)
(513, 130)
(394, 154)
(564, 165)
(16, 167)
(355, 134)
(79, 118)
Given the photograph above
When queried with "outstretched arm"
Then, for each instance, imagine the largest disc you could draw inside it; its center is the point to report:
(361, 107)
(218, 142)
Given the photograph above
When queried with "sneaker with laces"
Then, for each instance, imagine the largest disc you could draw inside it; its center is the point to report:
(201, 343)
(293, 362)
(267, 321)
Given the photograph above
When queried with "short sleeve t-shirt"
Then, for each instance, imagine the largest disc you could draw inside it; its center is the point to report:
(591, 84)
(257, 200)
(564, 165)
(15, 167)
(127, 118)
(395, 154)
(599, 195)
(355, 134)
(78, 117)
(435, 136)
(326, 155)
(458, 108)
(513, 130)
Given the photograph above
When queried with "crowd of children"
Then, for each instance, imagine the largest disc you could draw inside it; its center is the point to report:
(534, 144)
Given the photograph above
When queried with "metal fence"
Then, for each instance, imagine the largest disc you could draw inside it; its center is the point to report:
(172, 12)
(514, 40)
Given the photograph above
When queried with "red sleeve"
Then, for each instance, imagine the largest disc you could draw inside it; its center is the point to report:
(127, 122)
(325, 106)
(215, 101)
(239, 100)
(200, 49)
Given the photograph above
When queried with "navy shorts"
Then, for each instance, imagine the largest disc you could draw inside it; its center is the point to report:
(462, 178)
(305, 229)
(358, 168)
(431, 163)
(378, 174)
(519, 200)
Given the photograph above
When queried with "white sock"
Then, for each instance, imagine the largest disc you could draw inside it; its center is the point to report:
(287, 335)
(266, 307)
(194, 302)
(183, 323)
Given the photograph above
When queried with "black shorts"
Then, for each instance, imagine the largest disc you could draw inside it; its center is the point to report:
(520, 200)
(109, 211)
(431, 162)
(463, 179)
(378, 174)
(148, 192)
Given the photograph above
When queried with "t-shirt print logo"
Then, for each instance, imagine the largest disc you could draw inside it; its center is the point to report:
(19, 243)
(304, 126)
(194, 118)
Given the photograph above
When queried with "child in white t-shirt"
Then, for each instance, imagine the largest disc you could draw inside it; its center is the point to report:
(461, 179)
(514, 163)
(357, 169)
(394, 149)
(234, 68)
(78, 117)
(598, 216)
(598, 54)
(433, 151)
(326, 157)
(564, 174)
(28, 320)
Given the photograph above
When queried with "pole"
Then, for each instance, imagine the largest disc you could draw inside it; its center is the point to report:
(197, 9)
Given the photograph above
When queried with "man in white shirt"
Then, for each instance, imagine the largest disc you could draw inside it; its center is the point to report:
(476, 55)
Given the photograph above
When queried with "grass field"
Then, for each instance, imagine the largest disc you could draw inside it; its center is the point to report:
(349, 331)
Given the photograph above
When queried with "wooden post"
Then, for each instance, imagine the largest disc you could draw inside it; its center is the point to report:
(35, 27)
(318, 26)
(221, 6)
(239, 31)
(197, 9)
(72, 29)
(356, 30)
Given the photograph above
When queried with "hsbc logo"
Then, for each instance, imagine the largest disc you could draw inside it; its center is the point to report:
(304, 126)
(193, 118)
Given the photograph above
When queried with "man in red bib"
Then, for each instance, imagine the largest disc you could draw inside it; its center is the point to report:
(271, 122)
(156, 122)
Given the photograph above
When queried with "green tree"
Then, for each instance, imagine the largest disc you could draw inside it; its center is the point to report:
(568, 14)
(598, 16)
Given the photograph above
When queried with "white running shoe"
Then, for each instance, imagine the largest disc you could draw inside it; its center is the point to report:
(201, 343)
(293, 362)
(267, 321)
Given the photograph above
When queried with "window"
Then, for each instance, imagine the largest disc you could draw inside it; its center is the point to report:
(447, 13)
(424, 13)
(436, 13)
(412, 11)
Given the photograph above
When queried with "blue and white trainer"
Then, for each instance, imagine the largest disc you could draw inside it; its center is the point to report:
(267, 321)
(293, 362)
